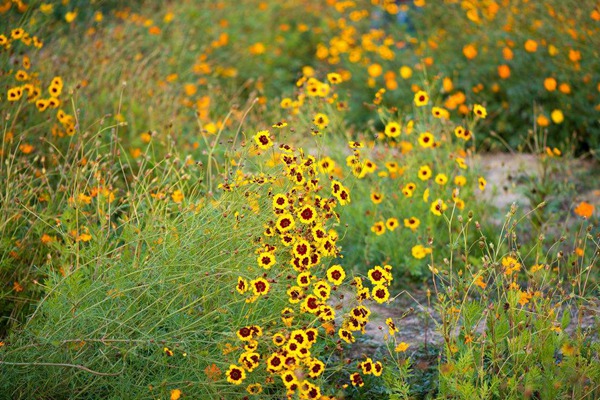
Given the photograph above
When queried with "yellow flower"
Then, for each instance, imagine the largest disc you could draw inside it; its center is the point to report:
(177, 196)
(557, 116)
(438, 207)
(421, 98)
(405, 72)
(70, 16)
(480, 111)
(481, 182)
(263, 140)
(424, 173)
(393, 129)
(402, 347)
(378, 228)
(321, 121)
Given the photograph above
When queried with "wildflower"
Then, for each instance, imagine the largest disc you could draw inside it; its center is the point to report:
(280, 202)
(378, 228)
(376, 197)
(15, 94)
(263, 140)
(421, 98)
(550, 84)
(266, 260)
(336, 274)
(402, 347)
(568, 349)
(481, 182)
(441, 179)
(334, 78)
(380, 293)
(480, 111)
(321, 121)
(356, 380)
(260, 286)
(301, 248)
(177, 196)
(537, 267)
(412, 223)
(235, 374)
(327, 165)
(557, 116)
(479, 282)
(285, 222)
(424, 173)
(175, 394)
(426, 140)
(379, 276)
(419, 251)
(289, 378)
(346, 335)
(280, 124)
(531, 46)
(504, 71)
(439, 112)
(242, 285)
(254, 388)
(316, 368)
(391, 224)
(393, 129)
(307, 214)
(405, 72)
(470, 51)
(584, 209)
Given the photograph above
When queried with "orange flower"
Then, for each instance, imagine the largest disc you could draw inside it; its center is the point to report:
(504, 71)
(470, 51)
(584, 209)
(531, 46)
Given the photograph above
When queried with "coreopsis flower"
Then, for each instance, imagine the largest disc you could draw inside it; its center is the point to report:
(235, 374)
(421, 98)
(263, 140)
(412, 223)
(426, 140)
(393, 129)
(336, 274)
(480, 111)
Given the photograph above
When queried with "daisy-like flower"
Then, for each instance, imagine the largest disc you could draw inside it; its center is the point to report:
(336, 274)
(378, 228)
(481, 182)
(391, 224)
(321, 120)
(376, 197)
(426, 140)
(242, 285)
(284, 223)
(480, 111)
(235, 374)
(421, 98)
(266, 260)
(393, 129)
(357, 380)
(260, 286)
(424, 173)
(346, 335)
(380, 293)
(307, 214)
(412, 223)
(280, 201)
(263, 140)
